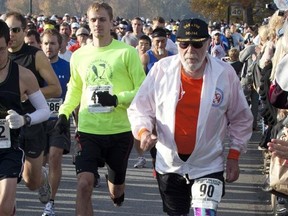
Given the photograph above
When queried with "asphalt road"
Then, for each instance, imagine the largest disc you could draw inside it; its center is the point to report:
(142, 198)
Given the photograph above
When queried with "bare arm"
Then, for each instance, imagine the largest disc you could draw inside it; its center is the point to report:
(53, 87)
(28, 82)
(144, 60)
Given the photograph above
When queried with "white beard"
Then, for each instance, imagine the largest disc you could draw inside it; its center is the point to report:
(189, 67)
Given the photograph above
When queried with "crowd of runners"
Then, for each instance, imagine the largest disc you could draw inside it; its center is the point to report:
(174, 88)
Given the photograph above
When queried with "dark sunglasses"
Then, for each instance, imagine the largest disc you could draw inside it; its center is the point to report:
(196, 45)
(15, 29)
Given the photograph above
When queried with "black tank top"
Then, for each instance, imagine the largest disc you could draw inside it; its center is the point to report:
(10, 98)
(26, 58)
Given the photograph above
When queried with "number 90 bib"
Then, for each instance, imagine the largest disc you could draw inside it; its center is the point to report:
(206, 193)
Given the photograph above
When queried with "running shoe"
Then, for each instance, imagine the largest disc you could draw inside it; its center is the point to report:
(281, 209)
(45, 190)
(140, 163)
(49, 209)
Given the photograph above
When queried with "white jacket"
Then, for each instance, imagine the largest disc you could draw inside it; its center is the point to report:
(222, 101)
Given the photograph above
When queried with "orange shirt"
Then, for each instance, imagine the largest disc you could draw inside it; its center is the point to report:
(187, 112)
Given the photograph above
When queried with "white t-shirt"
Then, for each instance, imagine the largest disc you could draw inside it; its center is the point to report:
(66, 55)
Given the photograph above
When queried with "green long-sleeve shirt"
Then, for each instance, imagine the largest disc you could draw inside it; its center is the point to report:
(116, 68)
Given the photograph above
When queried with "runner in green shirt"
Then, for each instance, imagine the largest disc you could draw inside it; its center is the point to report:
(105, 77)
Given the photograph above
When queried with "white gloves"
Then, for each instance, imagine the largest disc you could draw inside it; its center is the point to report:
(14, 119)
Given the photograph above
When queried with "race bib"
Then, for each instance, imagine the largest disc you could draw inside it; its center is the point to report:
(206, 193)
(54, 105)
(93, 105)
(5, 140)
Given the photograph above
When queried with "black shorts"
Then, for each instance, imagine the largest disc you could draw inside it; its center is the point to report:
(33, 140)
(176, 193)
(55, 139)
(97, 150)
(11, 163)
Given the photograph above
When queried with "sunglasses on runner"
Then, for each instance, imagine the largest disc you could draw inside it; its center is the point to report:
(15, 29)
(196, 45)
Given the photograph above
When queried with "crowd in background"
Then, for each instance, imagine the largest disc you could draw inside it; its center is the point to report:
(253, 51)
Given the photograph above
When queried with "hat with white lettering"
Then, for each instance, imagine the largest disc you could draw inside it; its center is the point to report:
(192, 30)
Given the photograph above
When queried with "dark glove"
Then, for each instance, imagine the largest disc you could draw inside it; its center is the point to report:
(105, 99)
(62, 124)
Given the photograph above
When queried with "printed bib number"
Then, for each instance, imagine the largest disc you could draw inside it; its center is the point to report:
(93, 105)
(5, 141)
(54, 105)
(206, 193)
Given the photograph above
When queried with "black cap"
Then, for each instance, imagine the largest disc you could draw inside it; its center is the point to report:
(192, 30)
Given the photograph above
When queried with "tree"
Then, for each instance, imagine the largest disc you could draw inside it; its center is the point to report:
(18, 5)
(253, 10)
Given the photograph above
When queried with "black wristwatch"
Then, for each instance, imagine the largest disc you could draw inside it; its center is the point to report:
(27, 120)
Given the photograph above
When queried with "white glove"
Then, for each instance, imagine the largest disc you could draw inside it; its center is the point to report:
(14, 119)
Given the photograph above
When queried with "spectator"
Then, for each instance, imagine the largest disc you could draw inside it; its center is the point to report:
(228, 39)
(237, 37)
(233, 55)
(217, 48)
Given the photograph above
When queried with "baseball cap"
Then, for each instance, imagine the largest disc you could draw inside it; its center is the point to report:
(215, 32)
(193, 30)
(82, 30)
(75, 25)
